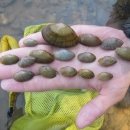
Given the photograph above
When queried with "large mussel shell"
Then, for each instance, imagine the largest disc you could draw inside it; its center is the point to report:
(68, 71)
(9, 59)
(30, 42)
(89, 40)
(123, 53)
(26, 61)
(42, 56)
(47, 72)
(86, 57)
(104, 76)
(111, 43)
(64, 55)
(86, 73)
(107, 61)
(60, 35)
(23, 75)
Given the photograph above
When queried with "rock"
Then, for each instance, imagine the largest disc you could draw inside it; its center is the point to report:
(4, 3)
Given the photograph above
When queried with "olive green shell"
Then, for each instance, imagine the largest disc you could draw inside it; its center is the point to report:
(89, 40)
(26, 61)
(23, 75)
(86, 73)
(42, 56)
(107, 61)
(60, 35)
(30, 42)
(68, 71)
(123, 53)
(104, 76)
(9, 59)
(47, 72)
(86, 57)
(111, 43)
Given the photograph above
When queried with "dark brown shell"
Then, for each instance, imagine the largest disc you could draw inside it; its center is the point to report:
(89, 40)
(47, 72)
(42, 56)
(23, 75)
(86, 57)
(111, 43)
(104, 76)
(30, 42)
(107, 61)
(86, 73)
(123, 53)
(9, 59)
(68, 71)
(60, 35)
(26, 61)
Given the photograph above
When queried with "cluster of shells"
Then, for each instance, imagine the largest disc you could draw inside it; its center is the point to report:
(61, 35)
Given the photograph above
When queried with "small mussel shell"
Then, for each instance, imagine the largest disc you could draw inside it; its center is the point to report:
(60, 35)
(86, 73)
(30, 42)
(68, 71)
(42, 56)
(104, 76)
(89, 40)
(23, 75)
(9, 59)
(123, 53)
(86, 57)
(107, 61)
(111, 43)
(64, 55)
(47, 72)
(26, 61)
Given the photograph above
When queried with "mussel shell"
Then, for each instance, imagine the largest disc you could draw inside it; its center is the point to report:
(9, 59)
(86, 57)
(42, 56)
(111, 43)
(104, 76)
(47, 72)
(89, 40)
(68, 71)
(60, 35)
(123, 53)
(86, 73)
(30, 42)
(107, 61)
(26, 61)
(64, 55)
(23, 75)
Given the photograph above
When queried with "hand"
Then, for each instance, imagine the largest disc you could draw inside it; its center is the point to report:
(110, 92)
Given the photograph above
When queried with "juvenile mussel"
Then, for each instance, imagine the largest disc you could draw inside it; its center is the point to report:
(30, 42)
(68, 71)
(89, 40)
(60, 35)
(47, 72)
(111, 43)
(42, 56)
(9, 59)
(23, 75)
(104, 76)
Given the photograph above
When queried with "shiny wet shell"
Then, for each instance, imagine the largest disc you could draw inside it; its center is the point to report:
(42, 56)
(47, 71)
(30, 42)
(89, 40)
(64, 55)
(123, 53)
(23, 75)
(60, 35)
(68, 71)
(26, 61)
(111, 43)
(104, 76)
(107, 61)
(86, 57)
(86, 73)
(9, 59)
